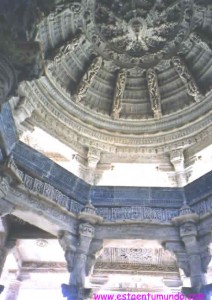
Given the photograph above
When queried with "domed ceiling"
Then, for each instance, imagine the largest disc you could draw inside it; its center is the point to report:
(125, 75)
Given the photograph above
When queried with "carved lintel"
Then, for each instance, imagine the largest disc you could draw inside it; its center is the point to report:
(88, 79)
(118, 96)
(186, 78)
(154, 93)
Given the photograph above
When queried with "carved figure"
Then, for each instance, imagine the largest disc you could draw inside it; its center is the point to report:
(119, 91)
(88, 79)
(154, 93)
(186, 78)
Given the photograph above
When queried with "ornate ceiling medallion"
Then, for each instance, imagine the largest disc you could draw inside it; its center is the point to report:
(137, 33)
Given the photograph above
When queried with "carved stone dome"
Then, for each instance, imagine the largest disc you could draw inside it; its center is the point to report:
(121, 73)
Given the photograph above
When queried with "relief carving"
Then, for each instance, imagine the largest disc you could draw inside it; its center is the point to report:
(118, 96)
(88, 79)
(187, 78)
(68, 48)
(68, 243)
(154, 93)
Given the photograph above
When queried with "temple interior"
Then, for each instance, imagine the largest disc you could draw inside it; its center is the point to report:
(105, 148)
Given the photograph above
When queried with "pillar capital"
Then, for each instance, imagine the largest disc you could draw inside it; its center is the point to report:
(88, 214)
(86, 230)
(186, 220)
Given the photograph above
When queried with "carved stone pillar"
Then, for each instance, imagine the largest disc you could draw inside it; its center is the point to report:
(9, 175)
(79, 253)
(13, 289)
(177, 160)
(86, 234)
(23, 111)
(188, 233)
(3, 249)
(7, 79)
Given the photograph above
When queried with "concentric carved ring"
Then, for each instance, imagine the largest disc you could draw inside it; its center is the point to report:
(137, 33)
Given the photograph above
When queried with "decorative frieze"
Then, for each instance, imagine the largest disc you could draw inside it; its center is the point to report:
(45, 106)
(145, 259)
(111, 214)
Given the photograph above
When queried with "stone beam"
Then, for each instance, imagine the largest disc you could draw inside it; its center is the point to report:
(41, 213)
(137, 231)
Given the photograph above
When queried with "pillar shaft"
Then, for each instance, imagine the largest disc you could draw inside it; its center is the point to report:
(13, 290)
